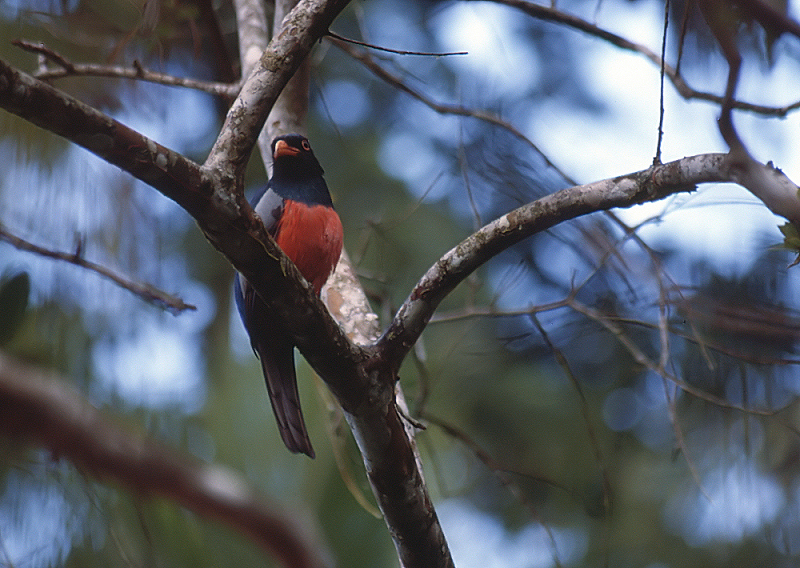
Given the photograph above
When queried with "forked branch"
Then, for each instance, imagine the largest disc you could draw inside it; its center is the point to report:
(651, 184)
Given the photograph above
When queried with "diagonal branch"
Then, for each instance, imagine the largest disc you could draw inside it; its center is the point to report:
(641, 358)
(504, 475)
(552, 14)
(442, 108)
(302, 28)
(67, 68)
(647, 185)
(51, 109)
(395, 51)
(37, 407)
(225, 218)
(147, 292)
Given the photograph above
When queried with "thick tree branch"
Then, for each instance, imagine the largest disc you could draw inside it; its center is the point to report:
(47, 107)
(647, 185)
(38, 407)
(302, 28)
(386, 439)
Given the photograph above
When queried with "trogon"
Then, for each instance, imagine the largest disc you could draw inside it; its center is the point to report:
(297, 210)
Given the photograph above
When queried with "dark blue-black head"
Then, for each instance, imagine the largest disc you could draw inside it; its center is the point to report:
(296, 173)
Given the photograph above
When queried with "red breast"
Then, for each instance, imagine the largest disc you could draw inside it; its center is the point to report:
(310, 235)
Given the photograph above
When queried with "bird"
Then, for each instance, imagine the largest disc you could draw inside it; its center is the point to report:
(297, 210)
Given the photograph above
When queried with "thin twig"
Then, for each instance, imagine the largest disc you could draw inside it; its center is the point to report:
(502, 474)
(419, 357)
(458, 110)
(664, 360)
(146, 292)
(67, 68)
(462, 164)
(492, 312)
(640, 357)
(654, 259)
(397, 51)
(593, 440)
(657, 158)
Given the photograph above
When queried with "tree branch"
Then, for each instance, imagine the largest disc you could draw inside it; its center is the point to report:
(147, 292)
(47, 107)
(647, 185)
(385, 439)
(395, 51)
(553, 14)
(457, 110)
(67, 68)
(641, 358)
(225, 217)
(38, 407)
(302, 28)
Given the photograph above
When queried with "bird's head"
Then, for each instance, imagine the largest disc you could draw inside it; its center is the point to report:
(296, 173)
(292, 155)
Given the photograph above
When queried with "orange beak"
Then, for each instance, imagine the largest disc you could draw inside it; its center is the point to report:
(283, 149)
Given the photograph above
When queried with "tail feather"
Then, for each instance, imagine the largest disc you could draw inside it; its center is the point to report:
(277, 361)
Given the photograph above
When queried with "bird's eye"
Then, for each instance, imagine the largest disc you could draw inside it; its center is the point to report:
(306, 146)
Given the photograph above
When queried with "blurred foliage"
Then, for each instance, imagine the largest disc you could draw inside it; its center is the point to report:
(14, 292)
(620, 466)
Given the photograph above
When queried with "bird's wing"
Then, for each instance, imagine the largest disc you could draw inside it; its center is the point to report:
(269, 206)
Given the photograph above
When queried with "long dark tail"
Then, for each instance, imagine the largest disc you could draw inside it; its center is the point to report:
(277, 361)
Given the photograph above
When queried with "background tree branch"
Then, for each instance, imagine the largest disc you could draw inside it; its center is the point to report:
(553, 14)
(38, 407)
(147, 292)
(67, 68)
